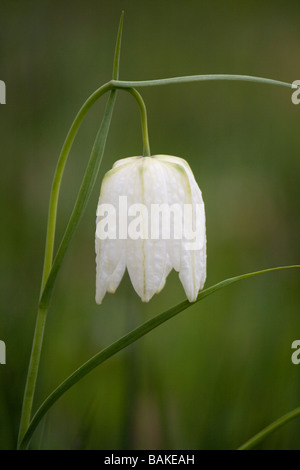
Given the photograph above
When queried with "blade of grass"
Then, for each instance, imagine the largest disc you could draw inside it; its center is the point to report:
(50, 271)
(82, 199)
(260, 436)
(125, 341)
(88, 179)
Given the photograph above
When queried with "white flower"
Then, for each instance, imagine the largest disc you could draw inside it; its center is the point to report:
(150, 219)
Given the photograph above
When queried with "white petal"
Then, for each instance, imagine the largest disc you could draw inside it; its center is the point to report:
(175, 196)
(146, 258)
(168, 268)
(193, 261)
(126, 161)
(192, 269)
(110, 255)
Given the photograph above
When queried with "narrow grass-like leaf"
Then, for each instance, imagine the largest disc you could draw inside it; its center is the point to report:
(260, 436)
(82, 199)
(125, 341)
(90, 173)
(116, 67)
(50, 271)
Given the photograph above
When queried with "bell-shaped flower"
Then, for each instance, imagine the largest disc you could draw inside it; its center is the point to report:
(150, 219)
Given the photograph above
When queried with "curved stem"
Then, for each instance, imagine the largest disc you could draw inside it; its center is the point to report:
(122, 343)
(82, 199)
(84, 192)
(269, 429)
(197, 78)
(143, 110)
(50, 237)
(52, 214)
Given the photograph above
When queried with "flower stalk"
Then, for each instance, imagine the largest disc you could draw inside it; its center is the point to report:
(144, 120)
(200, 78)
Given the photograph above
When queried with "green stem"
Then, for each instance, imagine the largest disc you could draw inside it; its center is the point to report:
(143, 110)
(116, 66)
(82, 199)
(122, 343)
(52, 214)
(269, 429)
(87, 184)
(50, 238)
(85, 190)
(32, 372)
(197, 78)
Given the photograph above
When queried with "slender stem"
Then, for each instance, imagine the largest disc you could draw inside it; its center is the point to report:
(52, 214)
(197, 78)
(269, 429)
(85, 190)
(32, 371)
(144, 120)
(42, 311)
(125, 341)
(50, 238)
(117, 55)
(82, 199)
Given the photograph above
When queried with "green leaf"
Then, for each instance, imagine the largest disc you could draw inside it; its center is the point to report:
(116, 67)
(125, 341)
(82, 199)
(269, 429)
(89, 176)
(50, 270)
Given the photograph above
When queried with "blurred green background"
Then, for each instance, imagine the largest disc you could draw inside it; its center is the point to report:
(220, 371)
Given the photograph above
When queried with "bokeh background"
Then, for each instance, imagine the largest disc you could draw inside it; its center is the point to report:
(220, 371)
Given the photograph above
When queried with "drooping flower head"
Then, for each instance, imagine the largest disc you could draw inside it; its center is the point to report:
(150, 219)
